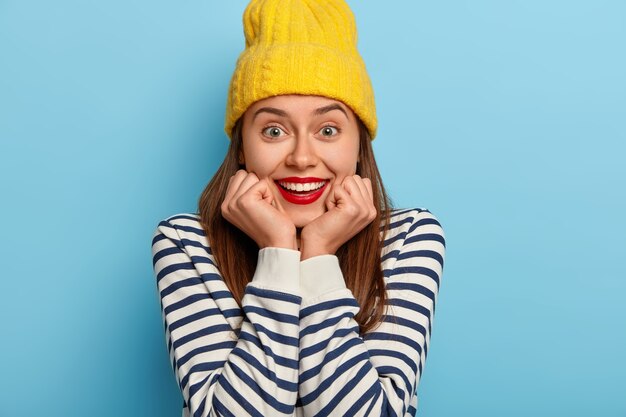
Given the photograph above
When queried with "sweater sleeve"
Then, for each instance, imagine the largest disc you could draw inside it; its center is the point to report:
(223, 370)
(345, 374)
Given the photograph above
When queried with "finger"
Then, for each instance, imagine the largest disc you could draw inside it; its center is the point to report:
(353, 189)
(260, 190)
(233, 184)
(368, 186)
(333, 197)
(343, 199)
(363, 201)
(360, 181)
(245, 185)
(255, 198)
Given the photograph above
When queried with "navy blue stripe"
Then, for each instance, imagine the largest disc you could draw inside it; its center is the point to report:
(393, 225)
(392, 370)
(201, 260)
(265, 396)
(186, 216)
(218, 295)
(341, 369)
(367, 395)
(188, 282)
(199, 333)
(332, 404)
(232, 312)
(417, 210)
(262, 369)
(394, 337)
(314, 328)
(386, 353)
(229, 344)
(377, 393)
(276, 337)
(200, 410)
(423, 254)
(158, 236)
(239, 398)
(272, 315)
(278, 359)
(386, 410)
(165, 252)
(328, 305)
(193, 317)
(220, 408)
(416, 288)
(210, 276)
(273, 295)
(227, 313)
(409, 305)
(200, 367)
(392, 254)
(183, 266)
(416, 307)
(199, 245)
(185, 302)
(389, 241)
(189, 229)
(329, 357)
(407, 323)
(415, 270)
(433, 237)
(423, 222)
(312, 350)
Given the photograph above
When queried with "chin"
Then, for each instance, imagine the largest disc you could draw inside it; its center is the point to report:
(301, 219)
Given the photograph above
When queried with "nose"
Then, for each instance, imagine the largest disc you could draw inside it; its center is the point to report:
(303, 155)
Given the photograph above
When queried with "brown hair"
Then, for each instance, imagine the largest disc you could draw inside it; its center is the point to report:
(236, 254)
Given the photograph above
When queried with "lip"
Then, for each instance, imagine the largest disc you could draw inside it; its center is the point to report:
(301, 198)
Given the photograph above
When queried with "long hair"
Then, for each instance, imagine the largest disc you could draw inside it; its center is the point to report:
(236, 253)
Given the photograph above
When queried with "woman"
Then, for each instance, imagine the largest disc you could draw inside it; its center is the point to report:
(295, 289)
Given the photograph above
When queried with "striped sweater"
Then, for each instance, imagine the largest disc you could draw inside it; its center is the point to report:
(293, 348)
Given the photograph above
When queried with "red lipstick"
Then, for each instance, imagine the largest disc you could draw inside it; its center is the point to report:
(301, 197)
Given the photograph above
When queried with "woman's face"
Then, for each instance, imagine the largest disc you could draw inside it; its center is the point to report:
(303, 145)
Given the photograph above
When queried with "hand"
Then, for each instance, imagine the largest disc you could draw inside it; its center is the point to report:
(350, 208)
(249, 205)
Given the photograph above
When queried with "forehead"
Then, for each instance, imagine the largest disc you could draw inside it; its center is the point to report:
(297, 104)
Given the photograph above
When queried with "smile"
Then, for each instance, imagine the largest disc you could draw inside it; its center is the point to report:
(298, 190)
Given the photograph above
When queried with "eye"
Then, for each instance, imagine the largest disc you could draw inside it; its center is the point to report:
(329, 131)
(273, 131)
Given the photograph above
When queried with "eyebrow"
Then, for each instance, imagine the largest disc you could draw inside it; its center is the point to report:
(272, 110)
(316, 112)
(330, 107)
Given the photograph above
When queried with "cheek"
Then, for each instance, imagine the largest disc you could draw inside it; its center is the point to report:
(260, 160)
(343, 163)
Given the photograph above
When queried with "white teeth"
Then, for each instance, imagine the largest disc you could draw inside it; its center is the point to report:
(309, 186)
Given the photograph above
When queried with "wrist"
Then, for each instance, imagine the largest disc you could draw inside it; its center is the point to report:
(288, 241)
(310, 247)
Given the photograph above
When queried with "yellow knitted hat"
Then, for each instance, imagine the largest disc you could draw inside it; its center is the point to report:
(300, 47)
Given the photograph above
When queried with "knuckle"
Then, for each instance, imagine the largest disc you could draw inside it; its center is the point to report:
(352, 210)
(244, 203)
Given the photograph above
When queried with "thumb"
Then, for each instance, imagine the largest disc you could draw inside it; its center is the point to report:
(265, 192)
(335, 197)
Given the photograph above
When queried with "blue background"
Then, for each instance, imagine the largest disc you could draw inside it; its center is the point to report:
(506, 119)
